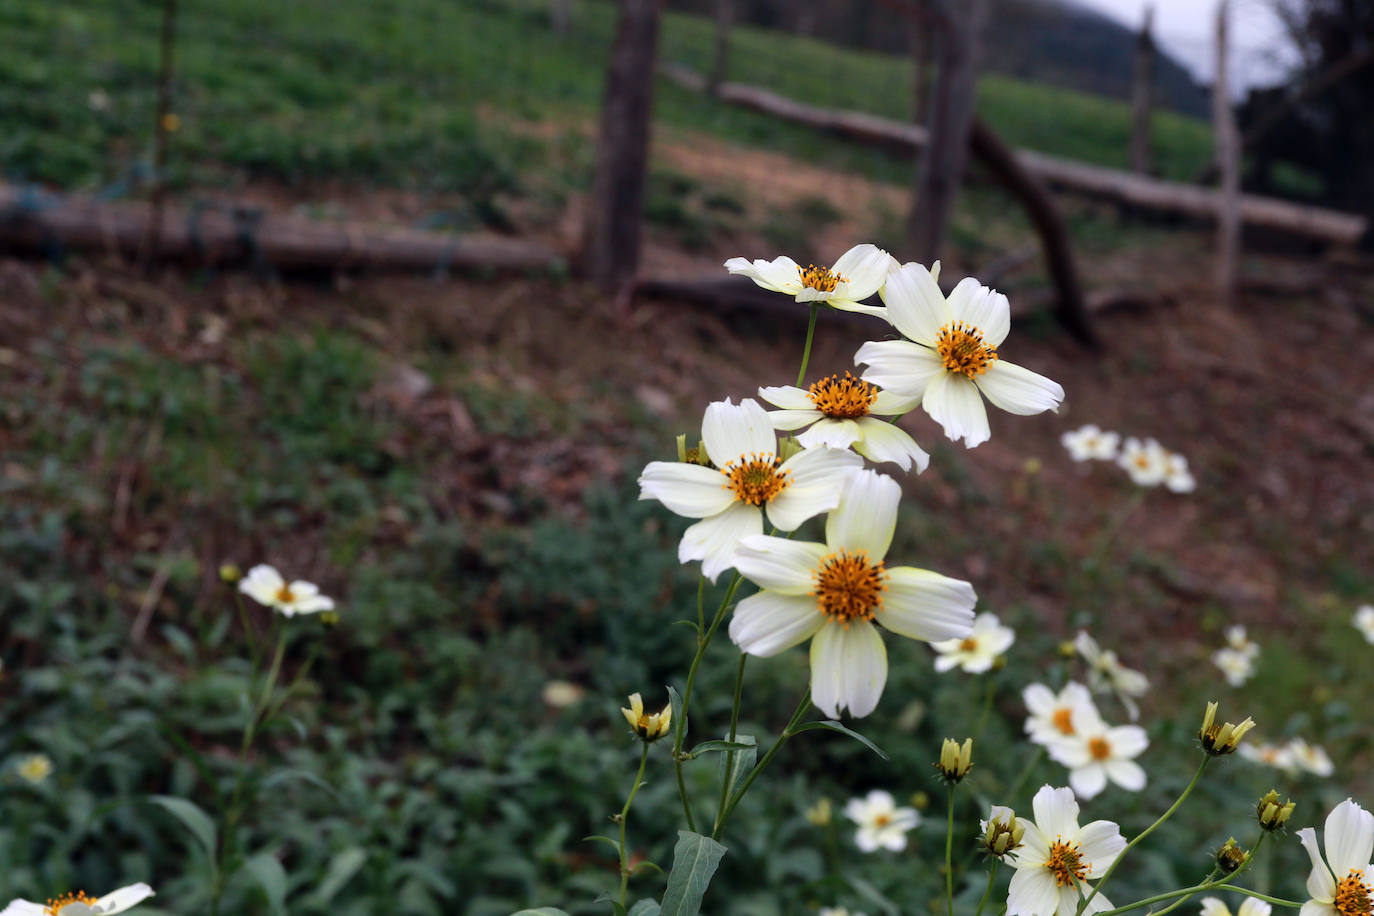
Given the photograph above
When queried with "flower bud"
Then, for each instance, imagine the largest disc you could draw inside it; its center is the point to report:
(329, 618)
(648, 726)
(1002, 832)
(955, 760)
(1220, 740)
(818, 815)
(1272, 815)
(1231, 856)
(230, 573)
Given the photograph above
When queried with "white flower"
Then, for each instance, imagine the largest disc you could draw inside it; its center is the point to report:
(843, 412)
(1237, 639)
(1090, 443)
(838, 591)
(1274, 755)
(34, 768)
(1311, 757)
(836, 911)
(1340, 885)
(1057, 857)
(747, 480)
(1146, 462)
(1364, 622)
(267, 587)
(1237, 666)
(882, 825)
(1250, 906)
(80, 904)
(950, 355)
(976, 652)
(1099, 753)
(1177, 477)
(1105, 672)
(854, 277)
(561, 694)
(1062, 716)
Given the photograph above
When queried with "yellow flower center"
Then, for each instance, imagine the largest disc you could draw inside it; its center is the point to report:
(969, 644)
(56, 904)
(1065, 863)
(820, 278)
(882, 820)
(756, 478)
(284, 595)
(1100, 748)
(849, 586)
(1353, 895)
(845, 398)
(962, 349)
(1063, 720)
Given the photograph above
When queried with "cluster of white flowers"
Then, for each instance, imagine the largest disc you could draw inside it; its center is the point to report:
(882, 825)
(1146, 462)
(1237, 658)
(1293, 756)
(838, 593)
(1070, 728)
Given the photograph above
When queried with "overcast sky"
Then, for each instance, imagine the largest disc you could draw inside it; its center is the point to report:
(1187, 28)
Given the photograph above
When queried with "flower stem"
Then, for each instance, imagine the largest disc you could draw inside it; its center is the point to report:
(992, 874)
(1146, 832)
(987, 707)
(1025, 772)
(1182, 900)
(949, 855)
(802, 708)
(1112, 529)
(1224, 884)
(625, 816)
(806, 351)
(734, 726)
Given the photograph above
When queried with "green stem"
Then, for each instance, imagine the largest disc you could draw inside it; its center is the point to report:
(1187, 892)
(1146, 832)
(1182, 900)
(992, 873)
(806, 351)
(949, 855)
(734, 727)
(987, 707)
(624, 817)
(1026, 770)
(247, 628)
(1113, 528)
(802, 708)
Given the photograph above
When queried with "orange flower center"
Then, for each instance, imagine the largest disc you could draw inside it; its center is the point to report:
(849, 587)
(845, 398)
(882, 820)
(819, 278)
(1353, 895)
(1063, 720)
(284, 595)
(755, 478)
(962, 349)
(56, 904)
(1100, 748)
(969, 644)
(1065, 863)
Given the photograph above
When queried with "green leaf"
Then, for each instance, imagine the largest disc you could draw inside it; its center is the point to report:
(268, 872)
(743, 762)
(603, 839)
(874, 896)
(342, 867)
(695, 858)
(675, 701)
(707, 747)
(278, 777)
(196, 821)
(644, 908)
(541, 911)
(832, 725)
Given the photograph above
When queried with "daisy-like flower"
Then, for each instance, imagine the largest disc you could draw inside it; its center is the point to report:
(1250, 906)
(1105, 672)
(882, 825)
(1100, 753)
(1279, 756)
(1088, 443)
(1057, 858)
(858, 274)
(648, 726)
(1237, 639)
(82, 904)
(34, 768)
(748, 480)
(1237, 666)
(949, 359)
(1177, 477)
(267, 587)
(1065, 716)
(1342, 884)
(977, 651)
(843, 413)
(1311, 757)
(839, 592)
(1146, 462)
(1364, 622)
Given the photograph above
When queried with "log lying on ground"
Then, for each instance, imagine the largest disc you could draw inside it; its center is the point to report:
(1140, 191)
(217, 236)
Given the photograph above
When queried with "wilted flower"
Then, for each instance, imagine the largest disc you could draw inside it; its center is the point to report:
(1105, 672)
(1089, 443)
(977, 651)
(1221, 739)
(1058, 858)
(1062, 716)
(1146, 462)
(1271, 813)
(648, 726)
(949, 359)
(1002, 832)
(267, 587)
(82, 904)
(1364, 622)
(955, 761)
(882, 825)
(1098, 753)
(34, 768)
(1250, 906)
(1340, 885)
(854, 277)
(843, 413)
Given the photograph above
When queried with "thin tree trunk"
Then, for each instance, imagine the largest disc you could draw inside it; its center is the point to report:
(922, 52)
(951, 113)
(164, 125)
(611, 241)
(720, 60)
(1142, 95)
(1228, 163)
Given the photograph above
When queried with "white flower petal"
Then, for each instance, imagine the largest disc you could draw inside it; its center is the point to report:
(864, 268)
(686, 489)
(1039, 699)
(848, 668)
(120, 900)
(840, 434)
(731, 430)
(867, 515)
(1318, 908)
(1034, 847)
(845, 305)
(715, 540)
(780, 565)
(1349, 838)
(915, 305)
(1127, 740)
(887, 442)
(1215, 906)
(1320, 885)
(953, 402)
(21, 907)
(905, 369)
(768, 623)
(1127, 774)
(985, 309)
(817, 481)
(1068, 901)
(782, 275)
(1056, 812)
(1032, 892)
(788, 397)
(793, 419)
(1018, 390)
(1088, 780)
(1252, 906)
(313, 605)
(887, 404)
(1101, 842)
(920, 604)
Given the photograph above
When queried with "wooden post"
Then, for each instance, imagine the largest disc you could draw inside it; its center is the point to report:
(1228, 164)
(720, 61)
(610, 250)
(922, 27)
(1142, 95)
(951, 113)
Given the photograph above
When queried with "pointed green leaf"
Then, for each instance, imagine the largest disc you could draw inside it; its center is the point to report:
(832, 725)
(695, 858)
(675, 700)
(541, 911)
(196, 821)
(645, 908)
(598, 838)
(342, 867)
(269, 874)
(707, 747)
(739, 763)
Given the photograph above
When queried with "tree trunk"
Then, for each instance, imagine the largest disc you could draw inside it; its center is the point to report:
(166, 123)
(611, 242)
(1228, 164)
(951, 113)
(1142, 96)
(720, 61)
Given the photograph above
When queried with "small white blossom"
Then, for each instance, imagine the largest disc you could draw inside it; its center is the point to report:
(854, 277)
(1364, 622)
(1344, 874)
(1064, 716)
(843, 412)
(1311, 757)
(1099, 753)
(1105, 672)
(977, 651)
(267, 587)
(34, 768)
(80, 904)
(1250, 906)
(1058, 858)
(1146, 462)
(1088, 443)
(1177, 477)
(1237, 666)
(882, 825)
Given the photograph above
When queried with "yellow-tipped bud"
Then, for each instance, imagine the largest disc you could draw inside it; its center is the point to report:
(648, 726)
(1068, 649)
(819, 813)
(1223, 739)
(955, 760)
(682, 447)
(1273, 815)
(1002, 832)
(1231, 856)
(230, 573)
(329, 618)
